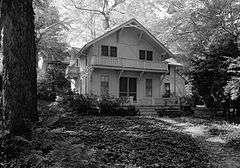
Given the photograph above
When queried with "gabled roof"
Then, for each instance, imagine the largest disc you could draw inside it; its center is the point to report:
(131, 23)
(172, 61)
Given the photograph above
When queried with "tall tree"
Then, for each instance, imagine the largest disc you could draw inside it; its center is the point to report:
(90, 13)
(19, 66)
(102, 8)
(49, 31)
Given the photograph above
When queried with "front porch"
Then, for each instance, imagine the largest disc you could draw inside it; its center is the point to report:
(173, 101)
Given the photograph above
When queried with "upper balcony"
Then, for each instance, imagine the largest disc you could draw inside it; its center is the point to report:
(132, 64)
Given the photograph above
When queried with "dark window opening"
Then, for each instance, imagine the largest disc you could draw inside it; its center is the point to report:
(167, 90)
(142, 54)
(149, 55)
(145, 55)
(104, 85)
(104, 50)
(128, 87)
(113, 51)
(148, 87)
(168, 70)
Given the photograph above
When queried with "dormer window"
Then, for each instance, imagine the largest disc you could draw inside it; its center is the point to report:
(108, 51)
(145, 55)
(104, 50)
(149, 55)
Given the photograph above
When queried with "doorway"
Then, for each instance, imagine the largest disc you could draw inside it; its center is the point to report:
(128, 87)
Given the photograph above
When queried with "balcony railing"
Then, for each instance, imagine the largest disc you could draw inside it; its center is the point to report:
(128, 63)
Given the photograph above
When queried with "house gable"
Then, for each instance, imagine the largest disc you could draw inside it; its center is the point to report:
(133, 32)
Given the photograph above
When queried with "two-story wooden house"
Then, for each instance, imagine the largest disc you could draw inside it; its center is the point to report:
(127, 61)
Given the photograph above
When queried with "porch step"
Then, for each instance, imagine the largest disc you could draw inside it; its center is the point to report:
(168, 111)
(147, 111)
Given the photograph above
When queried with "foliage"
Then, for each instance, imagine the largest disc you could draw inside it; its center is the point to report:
(110, 106)
(84, 104)
(111, 142)
(93, 16)
(49, 31)
(53, 82)
(97, 106)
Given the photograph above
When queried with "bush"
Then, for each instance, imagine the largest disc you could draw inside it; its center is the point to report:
(84, 104)
(234, 143)
(127, 111)
(97, 106)
(45, 91)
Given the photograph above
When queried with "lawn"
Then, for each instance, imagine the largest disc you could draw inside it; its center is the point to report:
(119, 142)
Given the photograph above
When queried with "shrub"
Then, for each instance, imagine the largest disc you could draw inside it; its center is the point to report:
(97, 106)
(45, 91)
(127, 111)
(110, 106)
(84, 104)
(234, 143)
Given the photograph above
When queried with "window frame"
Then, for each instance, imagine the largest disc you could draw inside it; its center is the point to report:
(111, 53)
(108, 51)
(146, 56)
(141, 52)
(151, 58)
(149, 88)
(128, 92)
(167, 92)
(104, 76)
(169, 70)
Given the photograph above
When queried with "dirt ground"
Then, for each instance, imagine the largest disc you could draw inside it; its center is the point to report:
(212, 137)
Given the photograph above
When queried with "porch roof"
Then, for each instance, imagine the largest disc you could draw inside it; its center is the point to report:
(172, 61)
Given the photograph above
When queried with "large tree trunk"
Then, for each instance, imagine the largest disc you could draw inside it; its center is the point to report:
(19, 66)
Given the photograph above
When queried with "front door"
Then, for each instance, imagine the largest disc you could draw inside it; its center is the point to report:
(128, 87)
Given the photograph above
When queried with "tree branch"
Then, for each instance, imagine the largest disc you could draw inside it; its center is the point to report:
(116, 3)
(86, 9)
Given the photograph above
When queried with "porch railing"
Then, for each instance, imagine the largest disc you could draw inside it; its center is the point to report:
(128, 63)
(156, 101)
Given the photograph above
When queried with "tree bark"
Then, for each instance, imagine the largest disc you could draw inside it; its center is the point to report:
(19, 66)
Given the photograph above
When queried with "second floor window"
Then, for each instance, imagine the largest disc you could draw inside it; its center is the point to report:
(145, 55)
(108, 51)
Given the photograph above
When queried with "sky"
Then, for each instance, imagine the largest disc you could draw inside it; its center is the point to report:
(73, 38)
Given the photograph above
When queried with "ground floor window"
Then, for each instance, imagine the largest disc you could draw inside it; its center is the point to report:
(148, 87)
(104, 85)
(128, 87)
(167, 90)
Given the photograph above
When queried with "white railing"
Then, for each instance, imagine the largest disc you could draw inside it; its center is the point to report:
(158, 101)
(128, 63)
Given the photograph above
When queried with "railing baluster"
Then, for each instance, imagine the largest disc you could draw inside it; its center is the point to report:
(125, 62)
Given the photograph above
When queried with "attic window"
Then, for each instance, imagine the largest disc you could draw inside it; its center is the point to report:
(145, 55)
(104, 50)
(108, 51)
(149, 55)
(113, 51)
(142, 54)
